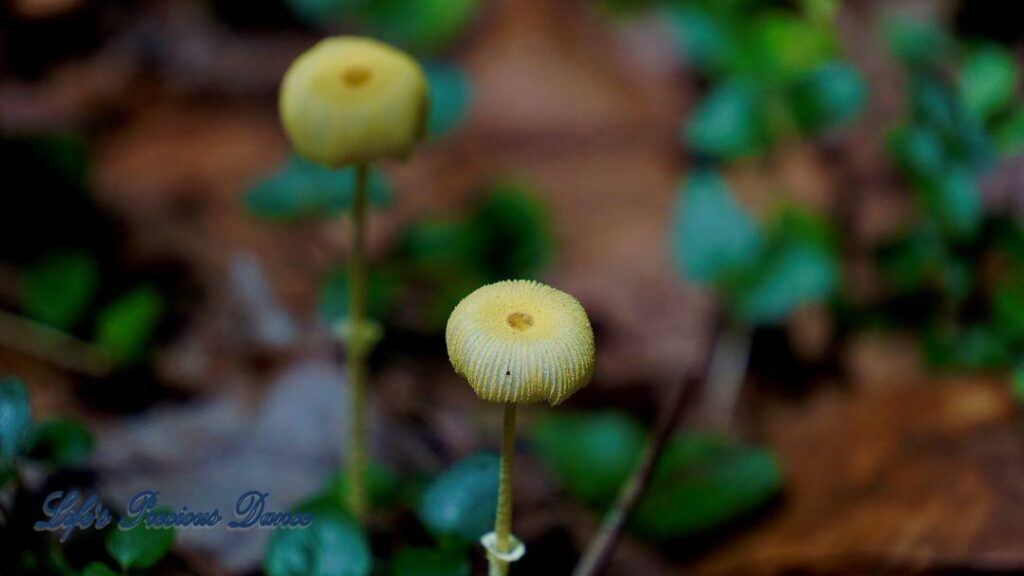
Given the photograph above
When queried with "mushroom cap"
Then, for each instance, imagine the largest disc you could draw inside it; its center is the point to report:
(521, 341)
(351, 100)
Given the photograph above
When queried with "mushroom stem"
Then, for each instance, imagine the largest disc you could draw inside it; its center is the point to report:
(357, 350)
(503, 519)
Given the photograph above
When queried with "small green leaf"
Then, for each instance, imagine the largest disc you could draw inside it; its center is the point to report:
(383, 289)
(910, 262)
(429, 562)
(934, 103)
(592, 453)
(422, 27)
(954, 200)
(728, 123)
(61, 443)
(918, 151)
(59, 288)
(972, 347)
(915, 41)
(829, 96)
(786, 46)
(15, 419)
(460, 503)
(139, 547)
(1009, 133)
(324, 13)
(712, 236)
(304, 190)
(795, 275)
(125, 327)
(704, 39)
(988, 79)
(98, 569)
(450, 94)
(1017, 384)
(333, 545)
(703, 482)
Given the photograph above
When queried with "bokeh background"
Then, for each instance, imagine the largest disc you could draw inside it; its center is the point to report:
(818, 200)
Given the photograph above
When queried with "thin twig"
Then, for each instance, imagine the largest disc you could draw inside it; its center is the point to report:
(53, 346)
(600, 549)
(725, 376)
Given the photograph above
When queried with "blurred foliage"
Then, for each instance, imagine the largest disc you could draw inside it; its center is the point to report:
(961, 266)
(139, 547)
(450, 93)
(458, 506)
(59, 289)
(775, 72)
(763, 273)
(424, 27)
(59, 444)
(126, 326)
(333, 545)
(702, 482)
(429, 562)
(15, 420)
(303, 190)
(440, 260)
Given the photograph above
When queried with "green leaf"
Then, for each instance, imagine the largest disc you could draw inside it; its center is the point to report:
(910, 262)
(333, 545)
(592, 453)
(383, 289)
(513, 233)
(460, 503)
(422, 27)
(15, 419)
(728, 123)
(704, 39)
(916, 42)
(304, 190)
(971, 347)
(125, 327)
(1017, 384)
(954, 201)
(988, 79)
(59, 288)
(429, 562)
(918, 151)
(61, 443)
(712, 237)
(829, 96)
(934, 103)
(324, 13)
(450, 95)
(98, 569)
(1009, 133)
(795, 275)
(703, 482)
(139, 547)
(785, 46)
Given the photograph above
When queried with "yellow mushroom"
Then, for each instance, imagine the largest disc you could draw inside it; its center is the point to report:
(351, 100)
(518, 341)
(521, 341)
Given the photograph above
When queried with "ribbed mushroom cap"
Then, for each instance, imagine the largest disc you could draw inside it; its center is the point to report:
(351, 100)
(521, 341)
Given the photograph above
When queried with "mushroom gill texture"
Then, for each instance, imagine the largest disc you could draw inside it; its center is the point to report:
(521, 341)
(350, 100)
